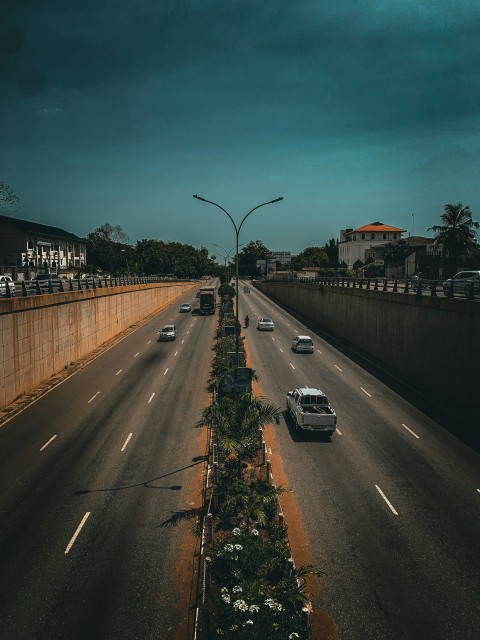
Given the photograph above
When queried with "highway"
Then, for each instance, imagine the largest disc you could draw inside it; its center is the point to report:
(93, 470)
(90, 474)
(390, 505)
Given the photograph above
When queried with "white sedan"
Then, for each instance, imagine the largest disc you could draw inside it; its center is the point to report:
(265, 324)
(6, 283)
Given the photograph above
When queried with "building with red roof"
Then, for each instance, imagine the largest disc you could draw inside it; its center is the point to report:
(359, 244)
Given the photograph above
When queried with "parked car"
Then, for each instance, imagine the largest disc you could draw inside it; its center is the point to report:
(302, 344)
(265, 324)
(185, 307)
(6, 283)
(169, 332)
(461, 282)
(246, 289)
(44, 280)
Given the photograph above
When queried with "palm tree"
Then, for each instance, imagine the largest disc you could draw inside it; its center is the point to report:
(457, 233)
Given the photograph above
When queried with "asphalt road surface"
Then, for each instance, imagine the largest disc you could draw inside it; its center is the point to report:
(391, 504)
(90, 473)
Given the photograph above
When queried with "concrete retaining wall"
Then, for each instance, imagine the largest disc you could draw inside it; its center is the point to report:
(41, 335)
(434, 343)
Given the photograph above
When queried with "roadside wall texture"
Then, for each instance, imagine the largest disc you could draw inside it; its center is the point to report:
(434, 343)
(41, 335)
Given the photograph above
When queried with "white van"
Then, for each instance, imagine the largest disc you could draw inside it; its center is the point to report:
(302, 344)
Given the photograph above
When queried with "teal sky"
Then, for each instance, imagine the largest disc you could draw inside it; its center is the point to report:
(119, 111)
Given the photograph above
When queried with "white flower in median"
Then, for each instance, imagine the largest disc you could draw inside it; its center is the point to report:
(237, 589)
(240, 605)
(236, 531)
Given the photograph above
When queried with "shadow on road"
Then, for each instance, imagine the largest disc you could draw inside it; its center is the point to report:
(148, 483)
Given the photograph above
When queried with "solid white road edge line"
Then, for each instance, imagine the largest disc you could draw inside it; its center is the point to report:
(126, 441)
(93, 397)
(386, 500)
(412, 432)
(47, 443)
(75, 535)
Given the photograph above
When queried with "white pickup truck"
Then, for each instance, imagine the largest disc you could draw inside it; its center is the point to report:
(311, 410)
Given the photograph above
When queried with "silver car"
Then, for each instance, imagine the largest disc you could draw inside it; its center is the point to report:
(169, 332)
(461, 282)
(265, 324)
(6, 283)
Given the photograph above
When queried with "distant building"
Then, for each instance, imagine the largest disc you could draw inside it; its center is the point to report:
(28, 248)
(357, 244)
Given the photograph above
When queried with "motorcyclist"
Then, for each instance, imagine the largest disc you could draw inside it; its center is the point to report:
(247, 321)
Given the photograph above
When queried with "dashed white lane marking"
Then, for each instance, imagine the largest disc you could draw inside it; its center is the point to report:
(319, 352)
(75, 535)
(292, 366)
(386, 500)
(93, 397)
(365, 392)
(281, 350)
(149, 342)
(119, 371)
(182, 341)
(126, 441)
(137, 354)
(165, 371)
(47, 443)
(339, 432)
(338, 367)
(151, 397)
(412, 432)
(175, 354)
(478, 490)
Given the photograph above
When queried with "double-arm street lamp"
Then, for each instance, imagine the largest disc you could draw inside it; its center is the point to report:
(237, 234)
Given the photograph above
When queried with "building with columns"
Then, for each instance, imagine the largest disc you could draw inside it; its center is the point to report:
(28, 248)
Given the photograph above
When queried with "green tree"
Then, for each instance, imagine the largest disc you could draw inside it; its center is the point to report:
(311, 257)
(9, 201)
(107, 249)
(456, 236)
(396, 253)
(331, 249)
(248, 256)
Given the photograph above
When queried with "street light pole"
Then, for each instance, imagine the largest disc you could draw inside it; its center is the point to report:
(227, 257)
(237, 234)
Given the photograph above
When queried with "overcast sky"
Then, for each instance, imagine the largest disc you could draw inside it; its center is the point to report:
(119, 111)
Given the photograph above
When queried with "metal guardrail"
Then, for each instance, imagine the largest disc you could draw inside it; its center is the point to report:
(418, 287)
(38, 287)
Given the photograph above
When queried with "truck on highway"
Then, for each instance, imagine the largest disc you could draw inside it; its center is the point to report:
(207, 300)
(311, 410)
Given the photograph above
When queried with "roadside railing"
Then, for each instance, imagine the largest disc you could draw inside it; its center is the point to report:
(39, 287)
(410, 286)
